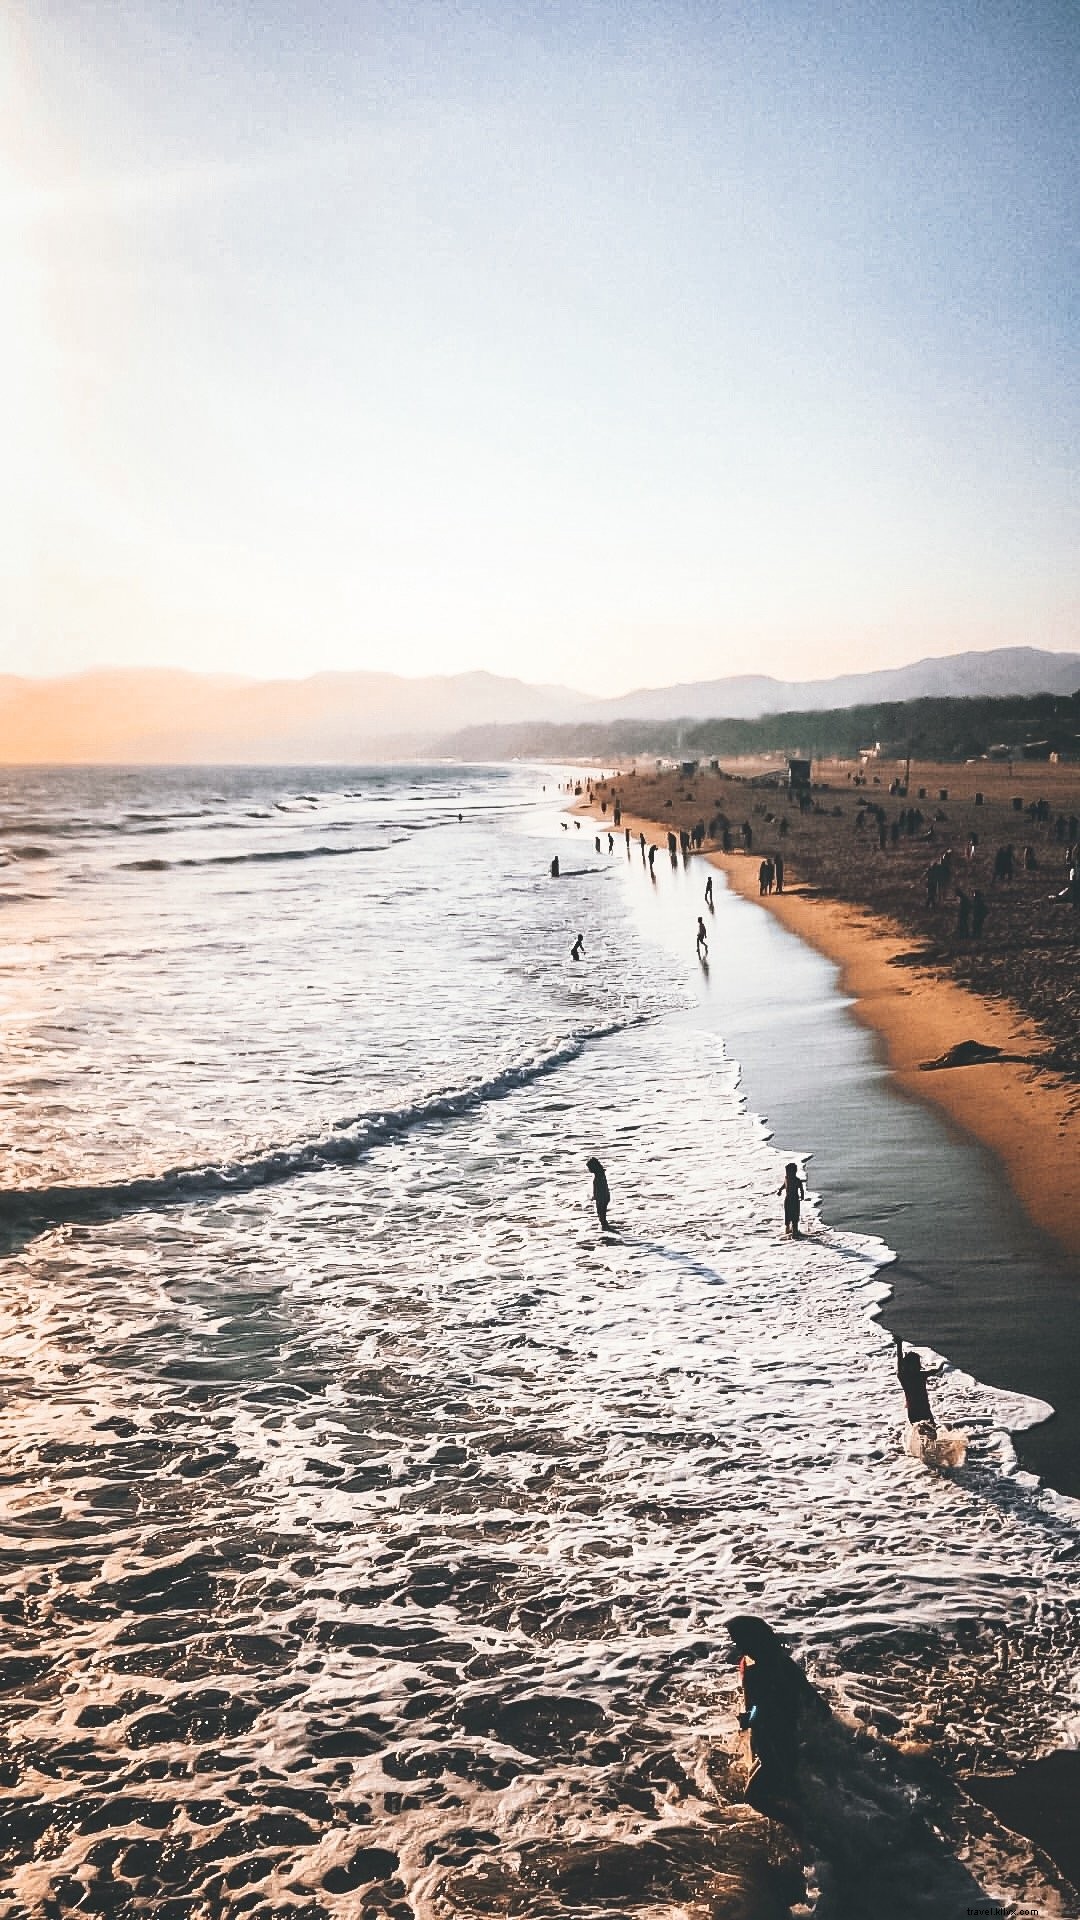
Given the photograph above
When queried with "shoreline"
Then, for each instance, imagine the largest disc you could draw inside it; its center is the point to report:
(1019, 1110)
(1022, 1112)
(916, 1015)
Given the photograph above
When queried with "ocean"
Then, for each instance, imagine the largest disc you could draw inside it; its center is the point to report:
(369, 1518)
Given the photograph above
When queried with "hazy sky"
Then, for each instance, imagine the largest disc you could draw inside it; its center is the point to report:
(603, 343)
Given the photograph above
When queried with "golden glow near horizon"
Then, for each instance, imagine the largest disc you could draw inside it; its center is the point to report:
(591, 352)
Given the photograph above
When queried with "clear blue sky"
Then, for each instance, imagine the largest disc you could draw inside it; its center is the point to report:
(601, 343)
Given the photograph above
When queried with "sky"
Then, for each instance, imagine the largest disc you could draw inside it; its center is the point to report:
(602, 343)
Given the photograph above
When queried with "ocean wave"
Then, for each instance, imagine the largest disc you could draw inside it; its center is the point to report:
(262, 856)
(351, 1140)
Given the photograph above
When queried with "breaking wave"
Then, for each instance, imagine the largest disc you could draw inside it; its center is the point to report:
(351, 1140)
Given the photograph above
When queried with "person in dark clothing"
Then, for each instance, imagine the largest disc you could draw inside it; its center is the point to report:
(794, 1192)
(978, 913)
(555, 868)
(778, 869)
(779, 1704)
(708, 893)
(702, 938)
(578, 948)
(909, 1372)
(601, 1192)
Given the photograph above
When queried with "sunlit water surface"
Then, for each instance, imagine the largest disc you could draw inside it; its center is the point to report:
(370, 1519)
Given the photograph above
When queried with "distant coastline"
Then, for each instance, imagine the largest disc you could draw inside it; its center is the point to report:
(961, 704)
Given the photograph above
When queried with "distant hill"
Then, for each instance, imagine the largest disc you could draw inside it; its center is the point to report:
(1004, 671)
(162, 714)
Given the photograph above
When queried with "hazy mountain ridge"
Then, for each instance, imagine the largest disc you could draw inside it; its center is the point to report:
(162, 715)
(1003, 671)
(172, 715)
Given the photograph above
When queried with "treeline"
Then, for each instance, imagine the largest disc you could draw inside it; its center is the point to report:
(931, 729)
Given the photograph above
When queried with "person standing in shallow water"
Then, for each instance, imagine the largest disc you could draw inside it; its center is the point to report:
(601, 1192)
(912, 1378)
(780, 1706)
(708, 893)
(578, 949)
(794, 1192)
(702, 939)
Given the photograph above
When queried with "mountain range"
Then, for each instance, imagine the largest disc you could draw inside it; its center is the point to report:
(165, 715)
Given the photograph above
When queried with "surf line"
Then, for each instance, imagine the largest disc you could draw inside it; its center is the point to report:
(34, 1209)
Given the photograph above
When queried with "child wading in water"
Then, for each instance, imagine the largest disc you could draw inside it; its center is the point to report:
(794, 1192)
(601, 1192)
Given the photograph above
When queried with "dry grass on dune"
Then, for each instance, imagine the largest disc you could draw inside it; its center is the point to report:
(1029, 951)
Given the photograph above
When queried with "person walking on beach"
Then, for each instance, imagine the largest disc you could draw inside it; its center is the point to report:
(794, 1192)
(778, 869)
(708, 893)
(912, 1378)
(702, 940)
(652, 858)
(601, 1192)
(610, 843)
(578, 949)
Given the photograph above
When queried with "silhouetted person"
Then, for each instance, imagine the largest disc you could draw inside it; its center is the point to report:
(794, 1192)
(702, 939)
(779, 1704)
(909, 1372)
(601, 1192)
(610, 843)
(596, 844)
(978, 913)
(652, 858)
(578, 947)
(555, 868)
(778, 868)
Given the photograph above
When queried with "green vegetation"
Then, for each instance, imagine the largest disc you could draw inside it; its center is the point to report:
(931, 729)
